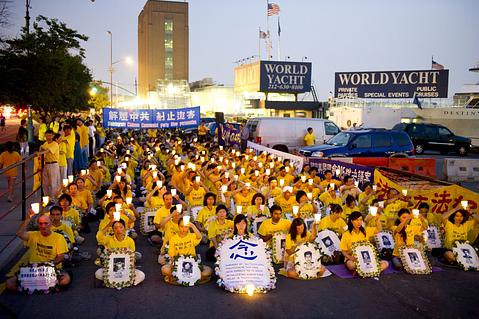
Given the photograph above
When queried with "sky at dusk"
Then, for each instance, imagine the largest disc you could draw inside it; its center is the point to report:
(341, 35)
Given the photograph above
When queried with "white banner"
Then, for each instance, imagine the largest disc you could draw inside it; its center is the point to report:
(296, 160)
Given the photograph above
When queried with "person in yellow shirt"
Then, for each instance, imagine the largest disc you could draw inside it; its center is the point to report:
(82, 131)
(406, 233)
(42, 130)
(313, 171)
(243, 196)
(257, 207)
(7, 158)
(298, 234)
(45, 246)
(218, 229)
(306, 208)
(432, 218)
(202, 132)
(68, 138)
(349, 207)
(366, 198)
(195, 193)
(154, 199)
(285, 176)
(206, 214)
(286, 201)
(275, 224)
(357, 233)
(328, 179)
(62, 160)
(309, 138)
(51, 172)
(334, 221)
(330, 197)
(119, 239)
(181, 244)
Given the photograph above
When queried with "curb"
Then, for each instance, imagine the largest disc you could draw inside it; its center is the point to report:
(7, 257)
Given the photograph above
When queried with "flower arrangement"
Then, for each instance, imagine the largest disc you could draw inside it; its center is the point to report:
(51, 285)
(421, 267)
(196, 270)
(307, 270)
(129, 278)
(277, 252)
(362, 246)
(466, 255)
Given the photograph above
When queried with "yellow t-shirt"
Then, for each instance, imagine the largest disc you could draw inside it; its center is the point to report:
(268, 228)
(434, 219)
(204, 214)
(325, 183)
(41, 132)
(80, 201)
(73, 216)
(347, 211)
(111, 242)
(309, 139)
(399, 240)
(83, 132)
(160, 214)
(327, 200)
(458, 233)
(64, 230)
(253, 210)
(290, 243)
(53, 153)
(155, 201)
(195, 197)
(363, 207)
(349, 238)
(171, 229)
(62, 160)
(339, 226)
(241, 200)
(391, 210)
(183, 245)
(7, 159)
(45, 248)
(70, 144)
(286, 205)
(202, 130)
(219, 231)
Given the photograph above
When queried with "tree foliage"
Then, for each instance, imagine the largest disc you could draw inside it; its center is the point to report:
(44, 69)
(98, 96)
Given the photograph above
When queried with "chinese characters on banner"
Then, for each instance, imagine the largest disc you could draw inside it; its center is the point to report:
(360, 173)
(151, 119)
(440, 199)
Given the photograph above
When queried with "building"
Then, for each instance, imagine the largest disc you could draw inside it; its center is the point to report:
(162, 46)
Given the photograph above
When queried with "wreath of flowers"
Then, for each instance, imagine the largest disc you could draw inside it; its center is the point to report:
(427, 265)
(298, 267)
(272, 275)
(106, 266)
(384, 252)
(439, 234)
(355, 247)
(326, 257)
(274, 244)
(143, 219)
(53, 288)
(463, 266)
(175, 269)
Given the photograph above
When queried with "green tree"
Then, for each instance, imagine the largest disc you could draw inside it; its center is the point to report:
(98, 96)
(44, 69)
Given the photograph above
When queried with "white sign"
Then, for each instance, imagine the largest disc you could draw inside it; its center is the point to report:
(328, 241)
(296, 160)
(147, 217)
(37, 278)
(307, 261)
(278, 245)
(244, 261)
(384, 240)
(466, 256)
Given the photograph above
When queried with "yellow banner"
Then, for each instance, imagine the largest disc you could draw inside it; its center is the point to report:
(440, 199)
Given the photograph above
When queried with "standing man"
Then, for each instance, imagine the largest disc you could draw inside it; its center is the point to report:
(309, 138)
(69, 139)
(2, 123)
(83, 133)
(244, 135)
(202, 131)
(22, 138)
(91, 138)
(51, 171)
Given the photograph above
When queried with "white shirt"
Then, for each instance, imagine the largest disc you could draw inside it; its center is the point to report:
(91, 131)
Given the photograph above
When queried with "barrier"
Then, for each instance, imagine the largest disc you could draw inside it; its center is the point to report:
(359, 172)
(419, 166)
(372, 161)
(296, 160)
(461, 170)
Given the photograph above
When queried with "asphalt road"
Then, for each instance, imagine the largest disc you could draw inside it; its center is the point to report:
(451, 293)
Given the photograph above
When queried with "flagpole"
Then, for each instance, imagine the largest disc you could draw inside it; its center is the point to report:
(259, 43)
(279, 41)
(267, 25)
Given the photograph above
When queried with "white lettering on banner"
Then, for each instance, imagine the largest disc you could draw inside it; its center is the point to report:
(296, 160)
(112, 116)
(160, 116)
(123, 116)
(190, 114)
(144, 116)
(134, 116)
(181, 115)
(382, 78)
(171, 116)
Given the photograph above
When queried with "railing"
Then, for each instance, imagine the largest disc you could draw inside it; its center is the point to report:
(23, 182)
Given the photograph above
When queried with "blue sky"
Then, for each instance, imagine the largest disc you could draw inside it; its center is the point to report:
(341, 35)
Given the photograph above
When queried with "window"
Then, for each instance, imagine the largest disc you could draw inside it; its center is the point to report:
(430, 131)
(382, 140)
(416, 130)
(444, 131)
(363, 141)
(168, 42)
(331, 128)
(401, 140)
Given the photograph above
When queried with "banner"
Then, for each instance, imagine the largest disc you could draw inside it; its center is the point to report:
(296, 160)
(229, 136)
(440, 199)
(391, 84)
(151, 119)
(287, 77)
(360, 173)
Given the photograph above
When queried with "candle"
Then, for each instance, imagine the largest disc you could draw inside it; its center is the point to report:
(268, 172)
(317, 218)
(280, 159)
(224, 189)
(127, 159)
(117, 178)
(236, 177)
(281, 182)
(98, 163)
(373, 210)
(375, 187)
(221, 158)
(159, 184)
(356, 183)
(331, 186)
(221, 147)
(271, 165)
(45, 200)
(310, 181)
(227, 175)
(36, 207)
(173, 192)
(70, 178)
(212, 161)
(464, 203)
(404, 192)
(261, 207)
(303, 178)
(249, 288)
(415, 212)
(83, 172)
(338, 172)
(239, 209)
(255, 158)
(248, 185)
(118, 207)
(128, 152)
(246, 157)
(310, 195)
(128, 200)
(65, 182)
(381, 204)
(116, 216)
(179, 208)
(109, 192)
(173, 152)
(186, 220)
(286, 169)
(256, 173)
(233, 165)
(238, 154)
(182, 168)
(197, 179)
(202, 159)
(119, 170)
(195, 140)
(219, 167)
(242, 170)
(101, 150)
(155, 174)
(295, 210)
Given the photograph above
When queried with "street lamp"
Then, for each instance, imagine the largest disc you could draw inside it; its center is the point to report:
(111, 68)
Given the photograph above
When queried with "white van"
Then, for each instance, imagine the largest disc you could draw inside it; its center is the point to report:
(287, 133)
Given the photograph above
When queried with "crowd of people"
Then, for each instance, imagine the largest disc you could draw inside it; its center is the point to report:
(222, 190)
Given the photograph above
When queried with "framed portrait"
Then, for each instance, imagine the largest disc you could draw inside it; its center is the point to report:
(37, 278)
(414, 261)
(328, 241)
(119, 268)
(146, 220)
(309, 223)
(307, 261)
(256, 223)
(187, 270)
(466, 256)
(243, 262)
(384, 240)
(278, 243)
(367, 260)
(432, 237)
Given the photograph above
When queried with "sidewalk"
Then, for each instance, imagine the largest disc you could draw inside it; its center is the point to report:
(10, 245)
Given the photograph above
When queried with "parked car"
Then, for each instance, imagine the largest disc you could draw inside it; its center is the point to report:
(435, 137)
(365, 143)
(287, 133)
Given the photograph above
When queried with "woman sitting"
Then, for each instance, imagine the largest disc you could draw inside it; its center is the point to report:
(218, 229)
(119, 239)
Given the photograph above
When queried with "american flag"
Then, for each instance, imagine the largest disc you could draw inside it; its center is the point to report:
(273, 9)
(437, 66)
(263, 35)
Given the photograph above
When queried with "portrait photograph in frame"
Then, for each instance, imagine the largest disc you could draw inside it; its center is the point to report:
(414, 261)
(307, 261)
(278, 243)
(187, 270)
(328, 242)
(367, 259)
(432, 237)
(119, 268)
(466, 256)
(146, 221)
